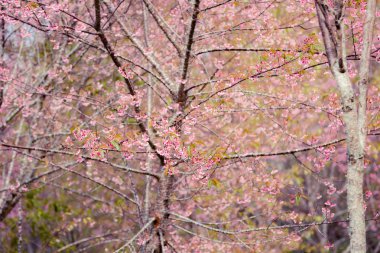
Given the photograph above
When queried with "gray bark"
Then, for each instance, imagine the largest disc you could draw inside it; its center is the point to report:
(354, 108)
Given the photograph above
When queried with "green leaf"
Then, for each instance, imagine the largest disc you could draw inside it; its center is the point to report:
(190, 150)
(116, 145)
(119, 202)
(214, 182)
(298, 198)
(131, 121)
(139, 83)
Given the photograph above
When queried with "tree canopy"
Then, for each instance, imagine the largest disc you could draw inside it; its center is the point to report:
(189, 126)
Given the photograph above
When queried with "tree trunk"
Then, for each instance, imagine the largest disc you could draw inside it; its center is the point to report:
(354, 108)
(355, 164)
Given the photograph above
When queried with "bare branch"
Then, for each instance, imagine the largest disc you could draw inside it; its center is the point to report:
(185, 65)
(136, 235)
(167, 30)
(125, 168)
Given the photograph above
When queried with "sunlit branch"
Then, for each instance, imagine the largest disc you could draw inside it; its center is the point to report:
(166, 29)
(242, 231)
(87, 239)
(55, 151)
(136, 235)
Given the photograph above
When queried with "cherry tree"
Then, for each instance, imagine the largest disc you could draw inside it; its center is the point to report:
(187, 126)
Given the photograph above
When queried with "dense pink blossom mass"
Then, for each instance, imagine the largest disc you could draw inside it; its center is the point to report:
(193, 126)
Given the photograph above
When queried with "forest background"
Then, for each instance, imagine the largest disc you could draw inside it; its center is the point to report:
(189, 126)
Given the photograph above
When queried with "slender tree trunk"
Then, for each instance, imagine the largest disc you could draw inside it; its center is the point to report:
(355, 165)
(354, 108)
